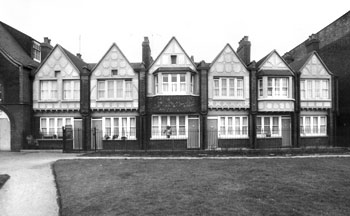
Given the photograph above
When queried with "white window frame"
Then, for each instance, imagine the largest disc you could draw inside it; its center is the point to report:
(315, 89)
(74, 92)
(228, 127)
(267, 129)
(230, 92)
(36, 51)
(128, 131)
(173, 88)
(126, 90)
(277, 87)
(314, 126)
(158, 130)
(52, 93)
(57, 129)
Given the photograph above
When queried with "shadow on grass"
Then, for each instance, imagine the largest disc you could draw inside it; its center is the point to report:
(3, 179)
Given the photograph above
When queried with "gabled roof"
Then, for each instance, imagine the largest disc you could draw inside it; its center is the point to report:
(300, 64)
(113, 45)
(229, 46)
(265, 58)
(75, 60)
(166, 46)
(10, 47)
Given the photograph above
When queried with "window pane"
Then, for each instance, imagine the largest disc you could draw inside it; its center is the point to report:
(239, 87)
(317, 89)
(269, 87)
(155, 126)
(59, 127)
(116, 128)
(182, 82)
(51, 126)
(258, 125)
(165, 83)
(284, 87)
(275, 125)
(307, 125)
(231, 87)
(302, 126)
(124, 127)
(164, 123)
(245, 126)
(120, 90)
(182, 125)
(107, 127)
(315, 125)
(267, 125)
(216, 87)
(222, 126)
(323, 127)
(43, 126)
(101, 89)
(67, 90)
(224, 87)
(309, 89)
(53, 90)
(260, 86)
(133, 127)
(174, 82)
(230, 126)
(110, 89)
(237, 126)
(302, 89)
(173, 125)
(76, 89)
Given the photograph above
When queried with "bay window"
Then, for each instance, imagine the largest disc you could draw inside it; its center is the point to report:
(277, 87)
(313, 125)
(177, 124)
(314, 89)
(268, 126)
(48, 90)
(233, 126)
(114, 89)
(173, 83)
(228, 87)
(117, 128)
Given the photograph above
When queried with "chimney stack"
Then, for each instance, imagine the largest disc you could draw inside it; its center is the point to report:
(312, 44)
(79, 56)
(146, 53)
(46, 48)
(192, 58)
(243, 50)
(288, 57)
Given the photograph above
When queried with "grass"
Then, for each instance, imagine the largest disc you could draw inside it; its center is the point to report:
(204, 187)
(3, 179)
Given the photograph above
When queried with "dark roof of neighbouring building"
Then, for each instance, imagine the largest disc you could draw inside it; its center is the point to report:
(12, 48)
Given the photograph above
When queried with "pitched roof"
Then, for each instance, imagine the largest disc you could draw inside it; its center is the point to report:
(265, 58)
(173, 38)
(229, 46)
(298, 65)
(75, 60)
(10, 47)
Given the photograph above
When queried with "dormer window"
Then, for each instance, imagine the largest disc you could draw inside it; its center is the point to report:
(114, 72)
(36, 51)
(173, 59)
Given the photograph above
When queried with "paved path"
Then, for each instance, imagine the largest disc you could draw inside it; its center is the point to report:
(31, 189)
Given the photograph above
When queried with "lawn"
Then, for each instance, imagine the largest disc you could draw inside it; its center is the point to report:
(3, 179)
(204, 187)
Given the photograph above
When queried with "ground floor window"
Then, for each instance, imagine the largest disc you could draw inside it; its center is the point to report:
(169, 126)
(313, 125)
(233, 126)
(119, 128)
(268, 126)
(51, 127)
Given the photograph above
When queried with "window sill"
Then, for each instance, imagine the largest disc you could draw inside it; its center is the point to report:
(114, 100)
(236, 137)
(48, 101)
(70, 101)
(156, 95)
(316, 100)
(119, 139)
(314, 136)
(279, 99)
(229, 99)
(171, 138)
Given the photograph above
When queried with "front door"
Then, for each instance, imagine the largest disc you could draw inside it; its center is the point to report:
(286, 133)
(193, 133)
(5, 132)
(212, 133)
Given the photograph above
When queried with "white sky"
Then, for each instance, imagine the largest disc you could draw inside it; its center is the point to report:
(203, 27)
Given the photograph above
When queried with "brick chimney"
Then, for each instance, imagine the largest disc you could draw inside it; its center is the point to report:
(46, 48)
(312, 44)
(243, 50)
(146, 53)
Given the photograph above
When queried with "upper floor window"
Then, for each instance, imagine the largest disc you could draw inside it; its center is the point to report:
(52, 127)
(172, 83)
(233, 126)
(268, 126)
(119, 128)
(228, 87)
(173, 59)
(169, 126)
(71, 89)
(313, 125)
(48, 90)
(36, 51)
(314, 89)
(114, 89)
(275, 87)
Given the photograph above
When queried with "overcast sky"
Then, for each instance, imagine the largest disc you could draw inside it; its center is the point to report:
(203, 27)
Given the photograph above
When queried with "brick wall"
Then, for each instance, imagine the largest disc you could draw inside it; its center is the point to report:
(173, 104)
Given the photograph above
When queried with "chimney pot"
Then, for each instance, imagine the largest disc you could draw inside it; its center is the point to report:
(47, 40)
(192, 58)
(79, 55)
(312, 44)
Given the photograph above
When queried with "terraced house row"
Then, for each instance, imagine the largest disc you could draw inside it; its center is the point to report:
(170, 102)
